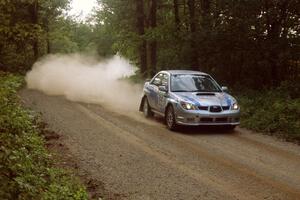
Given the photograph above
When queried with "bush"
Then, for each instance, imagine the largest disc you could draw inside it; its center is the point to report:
(25, 166)
(274, 111)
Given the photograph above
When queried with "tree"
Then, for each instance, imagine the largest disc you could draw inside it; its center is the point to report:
(140, 19)
(243, 42)
(153, 43)
(176, 15)
(23, 31)
(193, 37)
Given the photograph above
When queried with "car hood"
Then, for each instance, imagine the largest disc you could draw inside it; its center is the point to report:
(206, 99)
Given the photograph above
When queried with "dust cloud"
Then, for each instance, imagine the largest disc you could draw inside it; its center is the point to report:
(84, 79)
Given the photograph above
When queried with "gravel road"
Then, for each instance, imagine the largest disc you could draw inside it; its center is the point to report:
(140, 159)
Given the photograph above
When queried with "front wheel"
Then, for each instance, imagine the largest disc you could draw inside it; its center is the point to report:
(170, 118)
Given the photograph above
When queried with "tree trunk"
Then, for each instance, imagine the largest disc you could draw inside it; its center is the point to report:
(205, 12)
(140, 15)
(193, 40)
(275, 26)
(47, 37)
(35, 21)
(176, 15)
(153, 43)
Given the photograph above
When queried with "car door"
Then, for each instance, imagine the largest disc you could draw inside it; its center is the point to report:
(153, 91)
(163, 95)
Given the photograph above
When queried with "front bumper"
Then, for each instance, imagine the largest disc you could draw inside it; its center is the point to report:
(200, 117)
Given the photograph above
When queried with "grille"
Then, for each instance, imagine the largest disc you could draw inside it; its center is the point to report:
(225, 107)
(220, 120)
(206, 119)
(215, 109)
(203, 107)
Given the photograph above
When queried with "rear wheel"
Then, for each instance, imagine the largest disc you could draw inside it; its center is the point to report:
(146, 108)
(170, 118)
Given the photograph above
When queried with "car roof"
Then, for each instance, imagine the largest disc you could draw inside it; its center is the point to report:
(173, 72)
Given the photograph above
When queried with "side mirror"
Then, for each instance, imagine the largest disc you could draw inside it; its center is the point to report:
(163, 88)
(224, 89)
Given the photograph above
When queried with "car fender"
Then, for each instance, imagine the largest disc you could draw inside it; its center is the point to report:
(171, 100)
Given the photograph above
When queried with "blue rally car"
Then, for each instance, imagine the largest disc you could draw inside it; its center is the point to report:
(185, 97)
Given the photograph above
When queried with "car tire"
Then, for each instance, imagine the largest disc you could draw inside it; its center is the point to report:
(146, 108)
(170, 118)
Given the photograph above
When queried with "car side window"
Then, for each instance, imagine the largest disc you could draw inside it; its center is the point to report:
(157, 80)
(164, 81)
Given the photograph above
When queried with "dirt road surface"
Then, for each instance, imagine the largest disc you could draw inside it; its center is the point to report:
(141, 159)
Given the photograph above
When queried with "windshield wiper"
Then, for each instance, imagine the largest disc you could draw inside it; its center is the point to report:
(205, 94)
(187, 91)
(181, 91)
(206, 91)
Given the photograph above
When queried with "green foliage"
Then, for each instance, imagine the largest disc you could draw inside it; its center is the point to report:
(274, 111)
(135, 79)
(61, 35)
(116, 22)
(26, 170)
(24, 31)
(240, 42)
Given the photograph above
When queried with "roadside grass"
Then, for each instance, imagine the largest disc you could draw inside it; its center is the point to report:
(26, 168)
(274, 112)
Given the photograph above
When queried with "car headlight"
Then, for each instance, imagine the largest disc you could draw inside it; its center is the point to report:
(235, 106)
(188, 106)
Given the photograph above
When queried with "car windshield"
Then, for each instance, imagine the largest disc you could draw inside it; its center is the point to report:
(193, 83)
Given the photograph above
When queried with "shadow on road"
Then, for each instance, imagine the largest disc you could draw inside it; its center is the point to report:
(197, 130)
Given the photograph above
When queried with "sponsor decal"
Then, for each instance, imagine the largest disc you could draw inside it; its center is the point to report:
(228, 99)
(197, 103)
